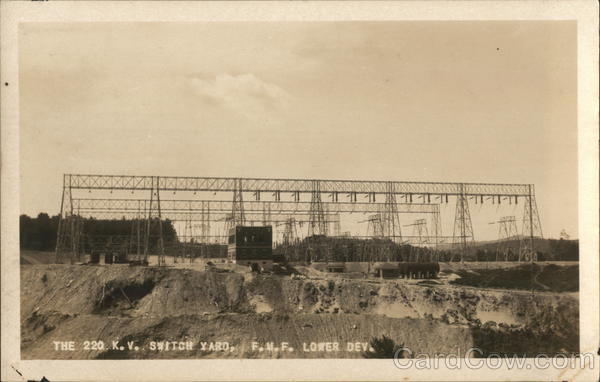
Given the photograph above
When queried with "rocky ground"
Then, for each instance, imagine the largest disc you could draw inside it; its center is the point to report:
(239, 314)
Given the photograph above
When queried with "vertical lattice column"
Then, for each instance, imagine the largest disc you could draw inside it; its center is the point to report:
(436, 226)
(66, 225)
(154, 218)
(463, 228)
(205, 229)
(532, 228)
(238, 204)
(238, 217)
(317, 224)
(77, 238)
(390, 219)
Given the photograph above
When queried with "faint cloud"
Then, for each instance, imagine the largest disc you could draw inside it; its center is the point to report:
(247, 94)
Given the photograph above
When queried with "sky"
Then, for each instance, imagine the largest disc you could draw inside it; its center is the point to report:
(417, 101)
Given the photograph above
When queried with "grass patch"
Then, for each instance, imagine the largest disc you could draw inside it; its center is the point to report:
(560, 278)
(551, 278)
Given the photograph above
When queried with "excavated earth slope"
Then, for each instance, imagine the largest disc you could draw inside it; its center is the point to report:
(231, 315)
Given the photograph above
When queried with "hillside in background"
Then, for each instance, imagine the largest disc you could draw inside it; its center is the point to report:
(548, 249)
(321, 248)
(39, 234)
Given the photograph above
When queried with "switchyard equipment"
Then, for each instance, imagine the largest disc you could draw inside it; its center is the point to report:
(313, 202)
(507, 232)
(409, 270)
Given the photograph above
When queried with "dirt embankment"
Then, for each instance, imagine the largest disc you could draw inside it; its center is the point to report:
(137, 304)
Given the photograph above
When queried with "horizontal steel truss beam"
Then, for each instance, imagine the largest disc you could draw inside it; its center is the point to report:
(276, 186)
(197, 206)
(197, 217)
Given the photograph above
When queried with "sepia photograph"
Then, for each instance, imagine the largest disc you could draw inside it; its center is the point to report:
(246, 189)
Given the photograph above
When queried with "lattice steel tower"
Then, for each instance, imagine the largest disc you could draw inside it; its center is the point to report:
(389, 216)
(507, 230)
(463, 228)
(532, 228)
(317, 224)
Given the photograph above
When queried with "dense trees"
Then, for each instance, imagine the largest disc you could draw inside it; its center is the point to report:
(321, 248)
(39, 233)
(564, 250)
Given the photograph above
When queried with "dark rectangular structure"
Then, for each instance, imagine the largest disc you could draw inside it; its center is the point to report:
(247, 245)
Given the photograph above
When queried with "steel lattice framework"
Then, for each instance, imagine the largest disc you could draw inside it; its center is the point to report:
(507, 230)
(180, 183)
(264, 200)
(130, 206)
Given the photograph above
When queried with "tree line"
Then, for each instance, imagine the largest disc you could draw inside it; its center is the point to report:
(321, 248)
(40, 233)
